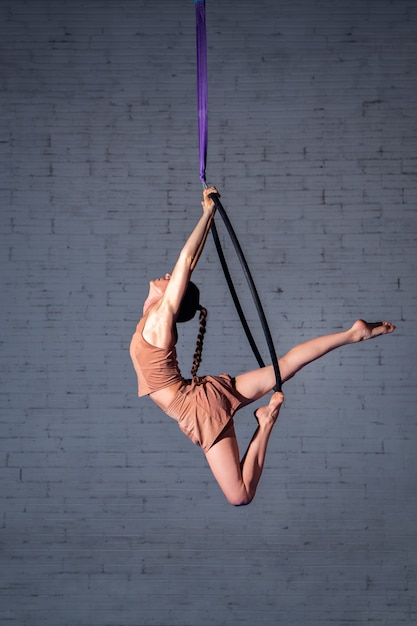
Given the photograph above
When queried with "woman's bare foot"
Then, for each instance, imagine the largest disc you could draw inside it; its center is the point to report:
(268, 415)
(365, 330)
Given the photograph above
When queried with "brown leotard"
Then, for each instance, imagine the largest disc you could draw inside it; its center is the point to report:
(202, 409)
(156, 368)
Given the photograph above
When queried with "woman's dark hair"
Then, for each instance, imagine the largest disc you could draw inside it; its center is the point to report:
(198, 353)
(189, 305)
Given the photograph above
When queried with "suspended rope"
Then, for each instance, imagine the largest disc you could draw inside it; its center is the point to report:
(200, 14)
(202, 99)
(235, 296)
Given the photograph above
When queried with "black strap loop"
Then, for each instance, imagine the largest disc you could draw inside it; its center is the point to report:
(253, 290)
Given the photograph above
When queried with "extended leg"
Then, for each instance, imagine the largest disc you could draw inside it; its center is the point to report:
(253, 385)
(307, 352)
(239, 479)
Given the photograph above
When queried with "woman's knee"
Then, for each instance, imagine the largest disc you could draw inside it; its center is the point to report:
(239, 499)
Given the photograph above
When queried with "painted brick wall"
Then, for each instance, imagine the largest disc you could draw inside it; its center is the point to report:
(109, 516)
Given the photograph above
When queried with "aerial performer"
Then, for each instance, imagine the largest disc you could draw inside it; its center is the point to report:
(205, 406)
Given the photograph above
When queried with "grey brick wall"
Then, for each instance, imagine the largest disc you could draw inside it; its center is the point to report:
(109, 516)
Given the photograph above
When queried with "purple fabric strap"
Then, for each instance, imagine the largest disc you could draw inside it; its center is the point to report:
(200, 14)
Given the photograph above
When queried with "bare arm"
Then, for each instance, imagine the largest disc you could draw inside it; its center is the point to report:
(160, 323)
(189, 256)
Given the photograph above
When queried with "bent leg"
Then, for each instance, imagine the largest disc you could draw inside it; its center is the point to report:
(253, 385)
(239, 479)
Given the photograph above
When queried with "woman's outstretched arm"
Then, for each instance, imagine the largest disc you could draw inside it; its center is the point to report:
(189, 255)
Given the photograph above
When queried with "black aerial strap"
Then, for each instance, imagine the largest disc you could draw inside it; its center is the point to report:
(253, 290)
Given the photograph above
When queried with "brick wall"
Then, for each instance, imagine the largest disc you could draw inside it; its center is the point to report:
(109, 516)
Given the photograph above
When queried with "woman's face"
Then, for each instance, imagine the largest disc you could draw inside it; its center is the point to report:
(157, 289)
(160, 284)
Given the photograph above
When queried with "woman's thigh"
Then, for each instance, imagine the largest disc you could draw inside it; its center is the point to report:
(256, 384)
(224, 461)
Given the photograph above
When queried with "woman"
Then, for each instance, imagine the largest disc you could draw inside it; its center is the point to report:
(204, 407)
